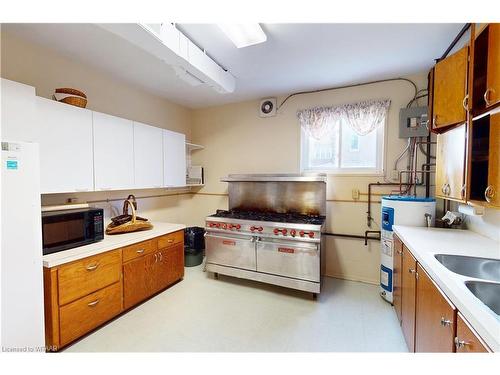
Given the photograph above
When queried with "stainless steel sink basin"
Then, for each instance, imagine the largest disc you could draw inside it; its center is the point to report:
(479, 268)
(488, 293)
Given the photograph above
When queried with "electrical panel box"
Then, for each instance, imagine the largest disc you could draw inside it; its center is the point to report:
(413, 122)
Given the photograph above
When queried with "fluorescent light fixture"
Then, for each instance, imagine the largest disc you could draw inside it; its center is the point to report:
(244, 35)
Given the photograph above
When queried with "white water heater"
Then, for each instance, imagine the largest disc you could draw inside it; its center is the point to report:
(399, 210)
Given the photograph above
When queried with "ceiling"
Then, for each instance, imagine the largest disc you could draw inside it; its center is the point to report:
(295, 57)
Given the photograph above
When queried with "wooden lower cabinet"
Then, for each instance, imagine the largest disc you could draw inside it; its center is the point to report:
(82, 295)
(408, 292)
(466, 340)
(138, 280)
(87, 313)
(396, 275)
(435, 317)
(429, 320)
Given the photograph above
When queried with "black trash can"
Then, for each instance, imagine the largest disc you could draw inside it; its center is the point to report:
(194, 246)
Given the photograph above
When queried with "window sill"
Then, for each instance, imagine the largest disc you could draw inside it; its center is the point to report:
(348, 173)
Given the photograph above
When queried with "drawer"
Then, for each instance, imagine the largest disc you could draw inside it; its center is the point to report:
(77, 279)
(87, 313)
(171, 239)
(138, 249)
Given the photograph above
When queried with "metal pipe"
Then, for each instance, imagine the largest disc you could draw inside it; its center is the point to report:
(415, 162)
(428, 158)
(368, 212)
(353, 236)
(372, 238)
(455, 41)
(402, 154)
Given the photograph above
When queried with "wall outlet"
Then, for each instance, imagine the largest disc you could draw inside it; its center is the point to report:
(355, 194)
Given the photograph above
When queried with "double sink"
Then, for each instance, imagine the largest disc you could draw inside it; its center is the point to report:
(487, 291)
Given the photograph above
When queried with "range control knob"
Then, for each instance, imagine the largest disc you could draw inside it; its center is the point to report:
(276, 231)
(301, 233)
(237, 226)
(217, 225)
(224, 225)
(252, 228)
(311, 234)
(260, 229)
(293, 232)
(283, 232)
(211, 224)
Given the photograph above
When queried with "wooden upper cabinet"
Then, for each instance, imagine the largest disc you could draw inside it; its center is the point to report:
(466, 340)
(450, 164)
(449, 90)
(484, 165)
(492, 192)
(408, 291)
(492, 92)
(435, 317)
(396, 278)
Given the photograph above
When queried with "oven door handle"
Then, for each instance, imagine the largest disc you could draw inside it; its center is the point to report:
(216, 236)
(308, 246)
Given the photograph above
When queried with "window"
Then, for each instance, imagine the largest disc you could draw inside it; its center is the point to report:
(330, 144)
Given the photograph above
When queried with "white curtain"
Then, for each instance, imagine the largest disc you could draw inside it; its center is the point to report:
(362, 117)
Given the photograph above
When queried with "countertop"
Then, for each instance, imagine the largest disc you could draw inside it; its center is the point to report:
(425, 242)
(109, 243)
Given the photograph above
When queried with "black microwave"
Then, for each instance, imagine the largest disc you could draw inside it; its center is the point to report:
(65, 229)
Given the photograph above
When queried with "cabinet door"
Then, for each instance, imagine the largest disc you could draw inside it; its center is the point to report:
(408, 296)
(492, 94)
(138, 279)
(450, 164)
(66, 159)
(450, 82)
(174, 159)
(113, 152)
(492, 193)
(396, 278)
(170, 267)
(435, 319)
(18, 112)
(466, 340)
(148, 156)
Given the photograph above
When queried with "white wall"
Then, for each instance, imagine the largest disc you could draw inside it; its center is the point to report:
(237, 140)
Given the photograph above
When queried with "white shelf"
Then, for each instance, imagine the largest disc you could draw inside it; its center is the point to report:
(192, 147)
(195, 185)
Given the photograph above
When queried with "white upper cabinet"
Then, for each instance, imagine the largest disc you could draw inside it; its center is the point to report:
(148, 156)
(174, 159)
(113, 152)
(18, 112)
(65, 147)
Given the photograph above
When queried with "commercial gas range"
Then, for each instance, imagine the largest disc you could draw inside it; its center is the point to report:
(271, 232)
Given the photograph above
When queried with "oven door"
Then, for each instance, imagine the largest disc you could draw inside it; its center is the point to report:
(299, 260)
(232, 251)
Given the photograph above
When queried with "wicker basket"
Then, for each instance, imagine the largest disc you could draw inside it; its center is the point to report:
(75, 100)
(133, 225)
(67, 90)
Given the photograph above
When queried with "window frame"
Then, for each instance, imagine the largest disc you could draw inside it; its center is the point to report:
(378, 170)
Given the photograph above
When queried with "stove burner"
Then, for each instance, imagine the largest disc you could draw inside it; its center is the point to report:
(293, 218)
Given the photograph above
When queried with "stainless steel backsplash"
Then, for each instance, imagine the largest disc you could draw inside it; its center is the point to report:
(278, 196)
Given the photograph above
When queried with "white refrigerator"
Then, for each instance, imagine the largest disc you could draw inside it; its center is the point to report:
(22, 318)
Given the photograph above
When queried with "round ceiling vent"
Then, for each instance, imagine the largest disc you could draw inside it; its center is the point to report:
(268, 107)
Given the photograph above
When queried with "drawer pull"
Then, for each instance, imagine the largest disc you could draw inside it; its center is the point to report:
(93, 303)
(92, 267)
(445, 322)
(140, 251)
(170, 240)
(161, 256)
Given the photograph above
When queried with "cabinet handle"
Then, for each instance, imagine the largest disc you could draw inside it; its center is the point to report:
(445, 322)
(92, 267)
(465, 101)
(156, 257)
(434, 121)
(140, 251)
(489, 193)
(486, 96)
(463, 191)
(92, 304)
(400, 252)
(412, 270)
(170, 240)
(161, 256)
(460, 343)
